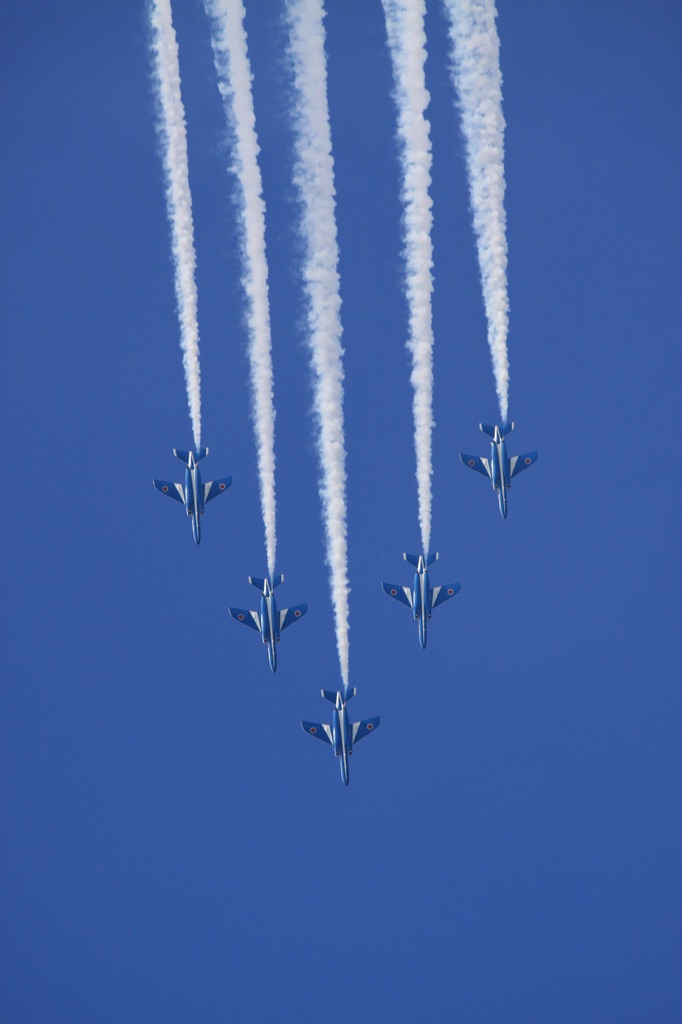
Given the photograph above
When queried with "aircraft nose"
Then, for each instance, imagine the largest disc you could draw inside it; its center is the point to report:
(272, 658)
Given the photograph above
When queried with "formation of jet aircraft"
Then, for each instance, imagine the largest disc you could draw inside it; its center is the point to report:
(341, 734)
(269, 621)
(499, 467)
(421, 598)
(195, 495)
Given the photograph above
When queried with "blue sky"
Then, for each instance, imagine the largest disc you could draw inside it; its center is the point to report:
(173, 847)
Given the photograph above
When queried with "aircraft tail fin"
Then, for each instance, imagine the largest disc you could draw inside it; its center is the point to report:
(179, 453)
(505, 429)
(414, 559)
(331, 695)
(259, 583)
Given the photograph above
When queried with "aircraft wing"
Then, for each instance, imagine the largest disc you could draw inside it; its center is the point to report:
(479, 464)
(216, 487)
(172, 490)
(361, 729)
(518, 463)
(251, 619)
(441, 594)
(322, 732)
(402, 594)
(289, 615)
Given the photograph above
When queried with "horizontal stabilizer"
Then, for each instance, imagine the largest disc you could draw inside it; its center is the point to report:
(259, 583)
(317, 729)
(402, 594)
(289, 615)
(442, 594)
(251, 619)
(179, 453)
(518, 463)
(216, 487)
(414, 559)
(361, 729)
(490, 431)
(172, 490)
(473, 462)
(329, 695)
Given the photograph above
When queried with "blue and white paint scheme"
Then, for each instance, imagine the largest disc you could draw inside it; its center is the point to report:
(269, 621)
(194, 495)
(341, 735)
(500, 469)
(422, 598)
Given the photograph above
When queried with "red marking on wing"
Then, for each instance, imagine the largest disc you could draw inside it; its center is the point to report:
(297, 614)
(450, 591)
(240, 617)
(313, 729)
(471, 462)
(369, 727)
(164, 488)
(528, 462)
(394, 592)
(221, 486)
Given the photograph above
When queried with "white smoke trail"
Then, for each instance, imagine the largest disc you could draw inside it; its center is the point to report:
(407, 43)
(475, 70)
(314, 180)
(234, 80)
(172, 133)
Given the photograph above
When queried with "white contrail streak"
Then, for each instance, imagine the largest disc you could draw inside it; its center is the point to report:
(173, 136)
(475, 70)
(314, 180)
(407, 44)
(234, 80)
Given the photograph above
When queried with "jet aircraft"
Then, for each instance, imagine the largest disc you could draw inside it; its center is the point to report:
(499, 467)
(270, 621)
(422, 598)
(341, 734)
(195, 494)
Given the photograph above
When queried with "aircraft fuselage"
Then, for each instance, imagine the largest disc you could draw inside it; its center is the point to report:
(341, 735)
(194, 495)
(500, 470)
(269, 619)
(421, 599)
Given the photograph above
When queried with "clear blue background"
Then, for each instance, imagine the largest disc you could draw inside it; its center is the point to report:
(173, 847)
